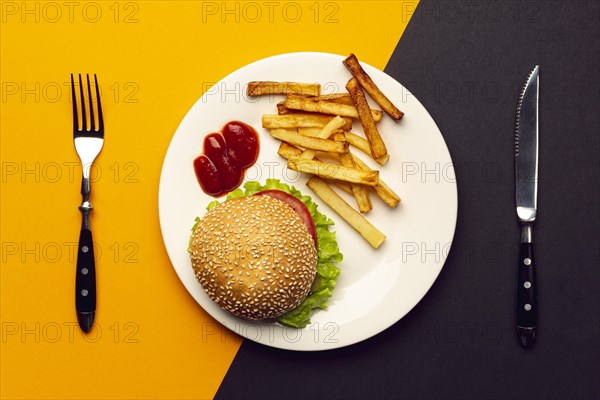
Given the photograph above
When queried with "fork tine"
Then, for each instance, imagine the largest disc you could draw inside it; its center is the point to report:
(83, 118)
(92, 121)
(74, 96)
(100, 120)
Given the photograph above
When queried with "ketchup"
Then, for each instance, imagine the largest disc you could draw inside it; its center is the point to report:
(227, 156)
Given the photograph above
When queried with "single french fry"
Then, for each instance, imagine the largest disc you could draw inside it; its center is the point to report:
(333, 171)
(286, 150)
(378, 148)
(327, 107)
(359, 142)
(342, 98)
(312, 132)
(258, 88)
(327, 145)
(362, 144)
(300, 120)
(382, 190)
(359, 191)
(371, 88)
(336, 123)
(283, 110)
(344, 210)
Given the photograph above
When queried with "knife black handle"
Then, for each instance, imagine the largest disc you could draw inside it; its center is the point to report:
(527, 304)
(85, 281)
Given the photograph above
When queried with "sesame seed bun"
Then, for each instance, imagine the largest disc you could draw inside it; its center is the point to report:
(254, 257)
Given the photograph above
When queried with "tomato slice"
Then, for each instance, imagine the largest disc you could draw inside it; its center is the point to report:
(297, 205)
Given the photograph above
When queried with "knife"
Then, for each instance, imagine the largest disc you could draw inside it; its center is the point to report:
(526, 174)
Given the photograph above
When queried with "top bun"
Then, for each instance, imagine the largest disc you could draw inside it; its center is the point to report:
(254, 257)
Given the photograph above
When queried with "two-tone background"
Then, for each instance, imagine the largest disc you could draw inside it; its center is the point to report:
(464, 60)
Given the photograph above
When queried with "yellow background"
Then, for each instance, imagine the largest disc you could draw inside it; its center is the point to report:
(154, 59)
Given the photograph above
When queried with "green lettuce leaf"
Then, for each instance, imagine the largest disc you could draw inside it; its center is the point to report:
(328, 252)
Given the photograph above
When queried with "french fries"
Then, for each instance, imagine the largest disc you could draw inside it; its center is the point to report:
(327, 145)
(301, 120)
(381, 189)
(322, 123)
(333, 171)
(378, 148)
(258, 88)
(361, 195)
(384, 192)
(327, 107)
(371, 88)
(340, 206)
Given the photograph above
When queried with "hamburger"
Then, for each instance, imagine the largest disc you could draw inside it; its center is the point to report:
(266, 253)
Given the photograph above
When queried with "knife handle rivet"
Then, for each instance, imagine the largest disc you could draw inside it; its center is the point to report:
(84, 271)
(527, 284)
(84, 249)
(527, 261)
(84, 293)
(527, 307)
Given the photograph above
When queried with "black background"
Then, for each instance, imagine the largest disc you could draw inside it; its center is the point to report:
(465, 61)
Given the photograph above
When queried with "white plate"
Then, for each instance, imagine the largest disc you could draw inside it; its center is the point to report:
(376, 287)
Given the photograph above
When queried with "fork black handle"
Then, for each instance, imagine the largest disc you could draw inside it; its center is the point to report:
(85, 281)
(527, 304)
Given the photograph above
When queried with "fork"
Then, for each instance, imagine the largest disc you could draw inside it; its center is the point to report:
(88, 143)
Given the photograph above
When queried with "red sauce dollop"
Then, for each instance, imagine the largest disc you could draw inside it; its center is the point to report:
(227, 156)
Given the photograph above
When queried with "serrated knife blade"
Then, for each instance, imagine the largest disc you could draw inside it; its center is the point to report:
(526, 180)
